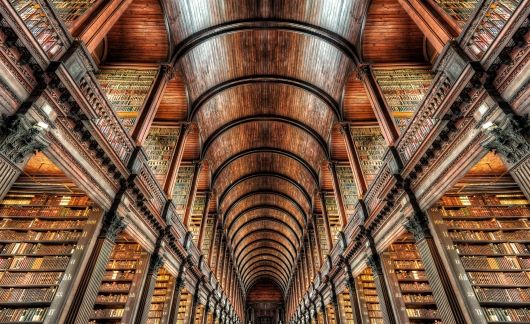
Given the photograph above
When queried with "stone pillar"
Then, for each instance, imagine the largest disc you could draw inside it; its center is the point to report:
(155, 263)
(20, 138)
(510, 138)
(84, 298)
(448, 307)
(374, 261)
(356, 309)
(175, 301)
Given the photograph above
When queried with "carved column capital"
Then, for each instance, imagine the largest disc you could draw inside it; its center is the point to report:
(157, 260)
(19, 138)
(112, 226)
(418, 225)
(374, 263)
(510, 138)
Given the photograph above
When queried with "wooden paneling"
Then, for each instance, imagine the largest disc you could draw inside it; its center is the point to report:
(262, 163)
(338, 146)
(268, 212)
(192, 147)
(174, 104)
(343, 17)
(140, 35)
(265, 99)
(265, 134)
(266, 183)
(390, 35)
(268, 52)
(355, 105)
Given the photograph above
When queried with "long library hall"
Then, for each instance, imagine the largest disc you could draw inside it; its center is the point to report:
(264, 161)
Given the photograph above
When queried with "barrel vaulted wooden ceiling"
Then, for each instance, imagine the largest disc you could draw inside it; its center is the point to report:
(266, 82)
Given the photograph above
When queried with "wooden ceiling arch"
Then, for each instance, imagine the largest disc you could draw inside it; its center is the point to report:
(264, 242)
(264, 283)
(258, 161)
(268, 262)
(264, 234)
(257, 250)
(268, 182)
(262, 197)
(264, 223)
(264, 273)
(250, 263)
(259, 212)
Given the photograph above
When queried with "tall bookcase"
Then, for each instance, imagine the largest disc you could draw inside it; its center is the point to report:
(182, 188)
(348, 189)
(159, 147)
(334, 220)
(184, 307)
(196, 216)
(403, 89)
(43, 238)
(408, 282)
(487, 235)
(161, 300)
(459, 10)
(371, 147)
(368, 299)
(322, 238)
(345, 307)
(126, 89)
(121, 284)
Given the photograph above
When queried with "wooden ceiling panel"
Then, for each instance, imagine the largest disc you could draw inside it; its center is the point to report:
(263, 163)
(390, 35)
(173, 107)
(265, 99)
(192, 146)
(265, 212)
(273, 226)
(268, 199)
(262, 235)
(343, 17)
(338, 146)
(265, 52)
(266, 183)
(262, 134)
(140, 35)
(355, 103)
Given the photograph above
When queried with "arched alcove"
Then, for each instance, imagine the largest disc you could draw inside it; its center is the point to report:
(264, 304)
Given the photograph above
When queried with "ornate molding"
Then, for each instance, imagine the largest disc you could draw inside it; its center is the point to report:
(509, 138)
(19, 138)
(112, 226)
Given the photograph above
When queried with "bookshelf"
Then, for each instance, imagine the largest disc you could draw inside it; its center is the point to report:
(182, 188)
(403, 89)
(348, 188)
(321, 232)
(71, 10)
(196, 216)
(121, 283)
(368, 299)
(184, 307)
(333, 216)
(345, 307)
(126, 90)
(488, 234)
(159, 147)
(408, 281)
(42, 238)
(161, 300)
(371, 147)
(459, 10)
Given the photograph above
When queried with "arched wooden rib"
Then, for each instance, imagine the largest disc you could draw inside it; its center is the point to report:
(268, 240)
(265, 78)
(274, 175)
(264, 267)
(266, 118)
(264, 231)
(264, 207)
(264, 249)
(268, 219)
(264, 192)
(313, 172)
(255, 280)
(264, 274)
(265, 257)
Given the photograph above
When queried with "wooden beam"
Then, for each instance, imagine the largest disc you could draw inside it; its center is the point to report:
(337, 194)
(353, 158)
(204, 220)
(150, 107)
(326, 220)
(192, 194)
(176, 159)
(429, 22)
(382, 111)
(101, 22)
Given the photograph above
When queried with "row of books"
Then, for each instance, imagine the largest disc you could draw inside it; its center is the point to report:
(503, 295)
(119, 275)
(491, 223)
(40, 223)
(22, 314)
(122, 264)
(408, 264)
(499, 278)
(415, 287)
(521, 315)
(36, 212)
(32, 263)
(107, 313)
(113, 298)
(30, 278)
(517, 235)
(491, 263)
(410, 275)
(422, 312)
(17, 295)
(114, 286)
(493, 249)
(417, 298)
(405, 255)
(10, 235)
(508, 211)
(484, 199)
(45, 199)
(71, 10)
(36, 248)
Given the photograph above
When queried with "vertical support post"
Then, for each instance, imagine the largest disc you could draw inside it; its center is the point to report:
(101, 22)
(148, 112)
(381, 110)
(326, 220)
(192, 194)
(336, 192)
(204, 220)
(176, 160)
(335, 302)
(194, 302)
(177, 293)
(354, 301)
(353, 158)
(324, 310)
